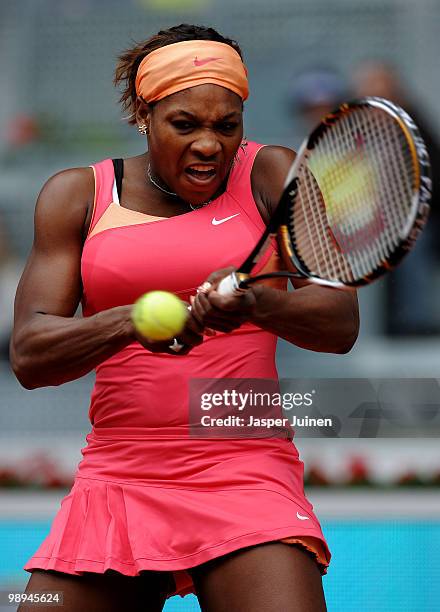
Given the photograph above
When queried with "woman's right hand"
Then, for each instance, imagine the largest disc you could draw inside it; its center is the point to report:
(189, 337)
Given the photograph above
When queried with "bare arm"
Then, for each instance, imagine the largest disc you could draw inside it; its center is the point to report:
(49, 346)
(316, 318)
(312, 317)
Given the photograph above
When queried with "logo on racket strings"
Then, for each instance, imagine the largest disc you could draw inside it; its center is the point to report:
(352, 202)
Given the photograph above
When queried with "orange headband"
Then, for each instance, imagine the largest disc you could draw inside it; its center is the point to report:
(189, 63)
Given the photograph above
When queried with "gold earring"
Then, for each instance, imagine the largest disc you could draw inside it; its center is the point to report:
(143, 129)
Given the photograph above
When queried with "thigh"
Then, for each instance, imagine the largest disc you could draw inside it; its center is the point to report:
(108, 592)
(265, 578)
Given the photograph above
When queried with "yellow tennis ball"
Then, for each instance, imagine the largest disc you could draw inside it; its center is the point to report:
(159, 315)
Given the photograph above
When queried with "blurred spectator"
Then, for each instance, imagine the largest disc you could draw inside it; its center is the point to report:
(22, 130)
(21, 135)
(412, 307)
(10, 271)
(315, 93)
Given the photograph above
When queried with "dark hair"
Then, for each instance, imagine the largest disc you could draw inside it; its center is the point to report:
(129, 60)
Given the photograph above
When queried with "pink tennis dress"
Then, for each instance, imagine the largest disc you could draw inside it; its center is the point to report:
(147, 495)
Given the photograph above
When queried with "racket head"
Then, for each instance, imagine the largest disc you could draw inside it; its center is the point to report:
(357, 196)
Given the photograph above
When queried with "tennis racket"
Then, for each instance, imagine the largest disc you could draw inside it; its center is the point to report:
(354, 201)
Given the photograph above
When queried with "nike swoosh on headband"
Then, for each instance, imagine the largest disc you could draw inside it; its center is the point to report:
(220, 221)
(202, 62)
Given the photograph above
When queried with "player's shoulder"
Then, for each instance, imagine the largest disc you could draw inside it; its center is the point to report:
(270, 157)
(70, 179)
(72, 187)
(66, 200)
(269, 173)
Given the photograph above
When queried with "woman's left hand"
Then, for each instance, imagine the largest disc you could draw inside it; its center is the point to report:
(220, 312)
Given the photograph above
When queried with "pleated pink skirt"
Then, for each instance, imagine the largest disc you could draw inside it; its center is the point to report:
(169, 503)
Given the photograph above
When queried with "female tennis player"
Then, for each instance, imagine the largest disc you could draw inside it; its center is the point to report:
(154, 512)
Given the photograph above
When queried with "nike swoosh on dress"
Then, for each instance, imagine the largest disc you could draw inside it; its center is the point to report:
(220, 221)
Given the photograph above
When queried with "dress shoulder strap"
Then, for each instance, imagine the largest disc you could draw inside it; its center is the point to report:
(240, 186)
(104, 179)
(118, 167)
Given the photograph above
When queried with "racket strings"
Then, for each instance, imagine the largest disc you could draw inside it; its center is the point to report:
(387, 212)
(389, 177)
(401, 162)
(334, 176)
(316, 240)
(312, 231)
(355, 197)
(318, 252)
(398, 179)
(313, 243)
(381, 245)
(376, 248)
(356, 177)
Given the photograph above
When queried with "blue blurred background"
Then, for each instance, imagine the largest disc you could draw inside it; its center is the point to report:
(58, 109)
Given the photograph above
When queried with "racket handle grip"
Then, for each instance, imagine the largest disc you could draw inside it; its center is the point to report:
(228, 285)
